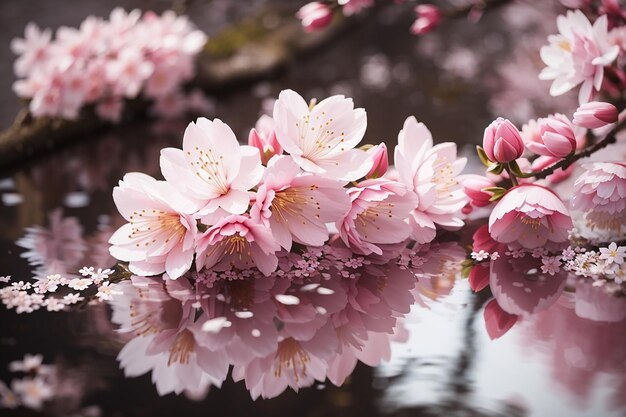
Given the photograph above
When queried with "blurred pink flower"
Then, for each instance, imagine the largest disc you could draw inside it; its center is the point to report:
(600, 193)
(351, 7)
(428, 18)
(530, 216)
(595, 114)
(578, 54)
(296, 206)
(315, 16)
(502, 141)
(159, 236)
(321, 139)
(559, 175)
(431, 173)
(237, 241)
(378, 215)
(212, 168)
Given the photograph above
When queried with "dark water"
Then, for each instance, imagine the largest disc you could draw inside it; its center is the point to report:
(549, 355)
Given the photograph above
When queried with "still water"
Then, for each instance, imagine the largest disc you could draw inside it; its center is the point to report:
(528, 345)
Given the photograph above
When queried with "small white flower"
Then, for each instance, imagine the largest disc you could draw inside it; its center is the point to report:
(72, 298)
(86, 271)
(28, 364)
(613, 253)
(33, 392)
(480, 256)
(106, 291)
(54, 304)
(5, 279)
(21, 285)
(80, 284)
(100, 275)
(494, 256)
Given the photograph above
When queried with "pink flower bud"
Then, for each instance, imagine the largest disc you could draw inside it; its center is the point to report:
(263, 137)
(595, 114)
(479, 277)
(380, 158)
(473, 187)
(428, 18)
(315, 16)
(553, 136)
(502, 141)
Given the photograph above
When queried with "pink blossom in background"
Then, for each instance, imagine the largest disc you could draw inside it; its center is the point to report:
(296, 205)
(600, 193)
(530, 216)
(315, 16)
(552, 136)
(502, 141)
(559, 175)
(380, 208)
(428, 18)
(578, 55)
(321, 140)
(159, 236)
(237, 241)
(127, 56)
(431, 173)
(263, 137)
(595, 114)
(474, 187)
(350, 7)
(212, 168)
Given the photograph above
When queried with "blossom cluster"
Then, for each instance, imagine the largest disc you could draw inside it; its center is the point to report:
(313, 319)
(57, 293)
(104, 62)
(33, 389)
(225, 206)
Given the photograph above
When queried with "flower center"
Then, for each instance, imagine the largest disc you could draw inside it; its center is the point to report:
(291, 355)
(182, 348)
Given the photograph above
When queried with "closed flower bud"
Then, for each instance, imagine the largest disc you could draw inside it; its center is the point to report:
(315, 16)
(381, 162)
(263, 137)
(502, 141)
(554, 136)
(474, 186)
(595, 114)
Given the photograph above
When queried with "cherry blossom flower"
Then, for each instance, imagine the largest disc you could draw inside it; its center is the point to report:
(554, 137)
(502, 141)
(600, 193)
(106, 291)
(212, 169)
(33, 392)
(315, 16)
(159, 236)
(613, 254)
(431, 173)
(237, 241)
(296, 206)
(551, 265)
(321, 139)
(378, 215)
(480, 255)
(30, 363)
(80, 284)
(595, 114)
(578, 54)
(33, 49)
(531, 216)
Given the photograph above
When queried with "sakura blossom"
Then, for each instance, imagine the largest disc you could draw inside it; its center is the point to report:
(213, 170)
(613, 254)
(105, 61)
(431, 172)
(297, 205)
(322, 139)
(600, 193)
(578, 55)
(530, 216)
(159, 235)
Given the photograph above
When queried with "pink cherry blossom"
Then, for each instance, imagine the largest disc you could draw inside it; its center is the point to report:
(530, 216)
(600, 193)
(237, 241)
(212, 169)
(295, 205)
(428, 18)
(595, 114)
(263, 137)
(554, 137)
(431, 173)
(33, 49)
(321, 139)
(578, 55)
(380, 208)
(159, 236)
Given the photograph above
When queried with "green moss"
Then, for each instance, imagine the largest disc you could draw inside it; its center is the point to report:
(230, 40)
